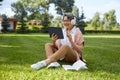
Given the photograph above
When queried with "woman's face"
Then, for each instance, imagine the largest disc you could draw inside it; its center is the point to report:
(67, 23)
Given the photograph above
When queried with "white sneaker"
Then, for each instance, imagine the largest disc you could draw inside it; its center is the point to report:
(38, 65)
(53, 65)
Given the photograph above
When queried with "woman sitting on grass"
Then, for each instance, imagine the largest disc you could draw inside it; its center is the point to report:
(68, 49)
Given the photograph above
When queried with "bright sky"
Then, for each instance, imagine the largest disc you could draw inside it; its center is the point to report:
(90, 7)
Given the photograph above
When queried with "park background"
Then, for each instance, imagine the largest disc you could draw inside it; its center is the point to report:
(91, 15)
(24, 45)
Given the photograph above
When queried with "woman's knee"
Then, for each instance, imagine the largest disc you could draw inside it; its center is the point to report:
(48, 44)
(65, 47)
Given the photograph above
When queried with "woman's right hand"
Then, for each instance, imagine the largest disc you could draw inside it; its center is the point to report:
(54, 37)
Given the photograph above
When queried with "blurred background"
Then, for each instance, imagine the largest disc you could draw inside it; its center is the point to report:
(26, 16)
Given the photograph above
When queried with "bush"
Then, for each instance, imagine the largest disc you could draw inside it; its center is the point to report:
(104, 31)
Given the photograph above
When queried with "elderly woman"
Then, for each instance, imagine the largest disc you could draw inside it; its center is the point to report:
(69, 49)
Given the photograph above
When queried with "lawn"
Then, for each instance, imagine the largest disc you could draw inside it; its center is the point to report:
(19, 51)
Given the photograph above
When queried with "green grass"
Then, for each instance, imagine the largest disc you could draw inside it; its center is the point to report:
(19, 51)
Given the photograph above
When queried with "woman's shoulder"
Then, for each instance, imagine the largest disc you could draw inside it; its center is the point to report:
(78, 31)
(77, 28)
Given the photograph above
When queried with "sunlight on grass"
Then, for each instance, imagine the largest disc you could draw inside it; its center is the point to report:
(3, 59)
(8, 46)
(19, 51)
(102, 36)
(47, 35)
(42, 35)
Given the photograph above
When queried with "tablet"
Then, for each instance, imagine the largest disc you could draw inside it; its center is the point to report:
(57, 31)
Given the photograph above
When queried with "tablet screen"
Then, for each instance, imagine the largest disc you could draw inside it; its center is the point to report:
(57, 31)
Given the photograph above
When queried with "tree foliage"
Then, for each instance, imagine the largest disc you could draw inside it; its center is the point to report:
(38, 9)
(1, 1)
(109, 19)
(63, 6)
(75, 11)
(5, 23)
(96, 21)
(20, 13)
(36, 5)
(45, 22)
(35, 8)
(79, 18)
(19, 10)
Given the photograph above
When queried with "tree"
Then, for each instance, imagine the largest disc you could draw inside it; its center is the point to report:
(117, 26)
(101, 25)
(109, 19)
(21, 13)
(112, 18)
(106, 20)
(36, 15)
(45, 22)
(1, 1)
(58, 21)
(38, 9)
(63, 6)
(80, 19)
(5, 23)
(34, 6)
(96, 21)
(75, 11)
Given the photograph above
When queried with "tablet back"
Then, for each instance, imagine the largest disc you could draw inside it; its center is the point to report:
(57, 31)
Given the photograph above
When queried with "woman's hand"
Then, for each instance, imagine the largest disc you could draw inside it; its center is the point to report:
(69, 35)
(54, 38)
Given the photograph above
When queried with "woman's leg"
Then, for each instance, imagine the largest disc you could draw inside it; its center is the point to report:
(50, 49)
(64, 52)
